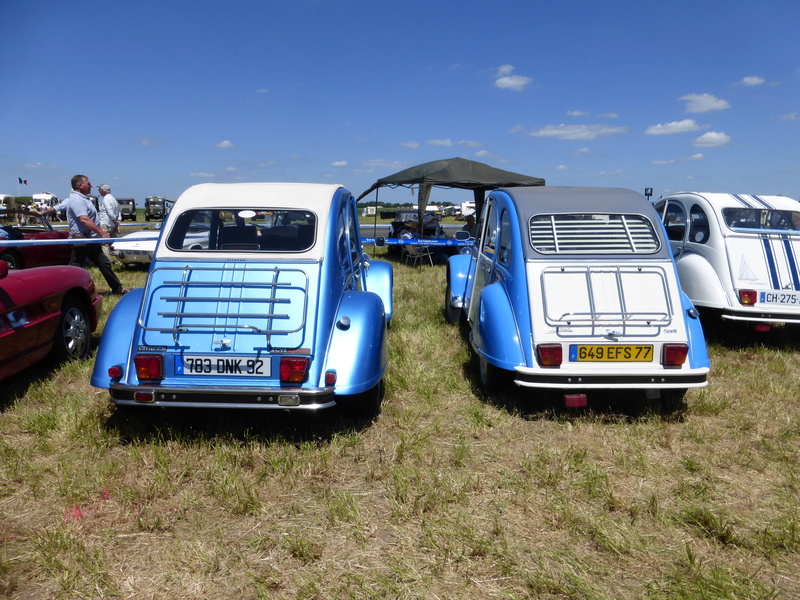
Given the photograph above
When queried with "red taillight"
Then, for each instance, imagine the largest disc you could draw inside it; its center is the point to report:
(674, 355)
(330, 377)
(748, 297)
(294, 369)
(149, 366)
(549, 355)
(115, 372)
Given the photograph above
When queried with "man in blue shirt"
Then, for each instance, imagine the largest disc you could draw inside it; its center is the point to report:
(85, 223)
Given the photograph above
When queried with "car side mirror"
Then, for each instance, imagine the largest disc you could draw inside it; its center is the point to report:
(462, 235)
(380, 241)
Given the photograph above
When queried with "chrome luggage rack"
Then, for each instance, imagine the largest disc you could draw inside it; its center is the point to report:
(228, 281)
(600, 321)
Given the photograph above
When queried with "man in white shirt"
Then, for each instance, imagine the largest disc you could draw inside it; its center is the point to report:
(108, 211)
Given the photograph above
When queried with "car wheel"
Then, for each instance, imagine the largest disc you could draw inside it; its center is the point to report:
(74, 336)
(492, 378)
(364, 405)
(451, 315)
(12, 259)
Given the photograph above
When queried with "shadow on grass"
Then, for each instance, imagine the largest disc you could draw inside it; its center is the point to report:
(145, 424)
(742, 335)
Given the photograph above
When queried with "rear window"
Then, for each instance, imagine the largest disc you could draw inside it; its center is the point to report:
(759, 218)
(593, 233)
(243, 230)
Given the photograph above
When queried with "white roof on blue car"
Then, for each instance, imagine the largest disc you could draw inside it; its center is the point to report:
(314, 197)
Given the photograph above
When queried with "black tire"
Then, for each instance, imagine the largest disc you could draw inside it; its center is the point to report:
(12, 259)
(492, 378)
(451, 315)
(73, 338)
(365, 405)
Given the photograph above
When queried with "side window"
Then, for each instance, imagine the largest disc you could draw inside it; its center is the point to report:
(698, 225)
(489, 238)
(675, 222)
(504, 239)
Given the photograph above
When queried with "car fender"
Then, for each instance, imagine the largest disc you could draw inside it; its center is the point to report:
(357, 350)
(496, 336)
(115, 344)
(698, 353)
(380, 280)
(701, 281)
(458, 274)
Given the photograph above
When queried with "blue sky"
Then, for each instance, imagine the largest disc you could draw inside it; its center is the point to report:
(155, 96)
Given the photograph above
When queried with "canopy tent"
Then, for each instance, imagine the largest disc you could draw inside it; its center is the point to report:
(453, 173)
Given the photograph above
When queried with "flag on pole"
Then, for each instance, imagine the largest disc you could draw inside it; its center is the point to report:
(23, 181)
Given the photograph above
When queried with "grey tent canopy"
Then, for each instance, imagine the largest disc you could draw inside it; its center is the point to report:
(454, 173)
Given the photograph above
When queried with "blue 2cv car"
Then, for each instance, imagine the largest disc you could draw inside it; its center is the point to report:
(278, 308)
(575, 289)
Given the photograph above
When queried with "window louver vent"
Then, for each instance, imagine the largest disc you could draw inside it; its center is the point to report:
(593, 234)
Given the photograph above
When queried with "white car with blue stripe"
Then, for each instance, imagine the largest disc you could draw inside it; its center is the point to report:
(738, 255)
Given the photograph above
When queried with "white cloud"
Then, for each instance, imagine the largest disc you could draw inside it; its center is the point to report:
(698, 156)
(674, 127)
(262, 91)
(610, 115)
(577, 132)
(793, 116)
(752, 80)
(561, 168)
(202, 174)
(411, 144)
(379, 162)
(339, 163)
(506, 81)
(581, 151)
(711, 139)
(577, 113)
(224, 145)
(447, 142)
(148, 141)
(231, 169)
(698, 103)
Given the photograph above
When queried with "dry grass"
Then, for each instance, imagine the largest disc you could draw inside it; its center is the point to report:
(447, 494)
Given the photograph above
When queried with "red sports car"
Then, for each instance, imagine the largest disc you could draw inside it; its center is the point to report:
(37, 228)
(43, 311)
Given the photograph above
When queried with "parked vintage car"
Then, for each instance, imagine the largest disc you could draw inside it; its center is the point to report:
(575, 289)
(738, 255)
(35, 228)
(153, 208)
(127, 209)
(279, 308)
(138, 247)
(46, 310)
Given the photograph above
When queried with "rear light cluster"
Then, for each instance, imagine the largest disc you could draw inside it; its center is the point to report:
(674, 355)
(149, 366)
(549, 355)
(748, 297)
(293, 369)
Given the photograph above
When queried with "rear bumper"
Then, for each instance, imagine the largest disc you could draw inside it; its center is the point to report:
(229, 397)
(665, 380)
(761, 317)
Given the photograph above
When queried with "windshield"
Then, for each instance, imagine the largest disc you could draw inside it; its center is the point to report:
(761, 218)
(243, 229)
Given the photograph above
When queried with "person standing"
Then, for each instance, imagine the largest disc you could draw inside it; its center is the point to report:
(84, 223)
(108, 211)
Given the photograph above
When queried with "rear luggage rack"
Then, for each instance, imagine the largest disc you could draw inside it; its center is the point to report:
(607, 300)
(239, 291)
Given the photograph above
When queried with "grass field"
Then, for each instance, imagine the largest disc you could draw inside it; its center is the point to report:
(447, 494)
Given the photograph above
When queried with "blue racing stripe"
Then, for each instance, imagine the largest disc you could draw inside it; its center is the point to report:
(742, 200)
(761, 201)
(773, 272)
(790, 257)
